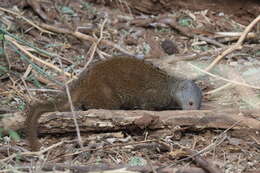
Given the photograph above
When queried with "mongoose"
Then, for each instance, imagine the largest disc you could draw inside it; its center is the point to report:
(119, 83)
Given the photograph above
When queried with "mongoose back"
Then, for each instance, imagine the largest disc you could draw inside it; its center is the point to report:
(119, 83)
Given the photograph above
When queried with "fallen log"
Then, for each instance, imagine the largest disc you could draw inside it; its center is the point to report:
(116, 120)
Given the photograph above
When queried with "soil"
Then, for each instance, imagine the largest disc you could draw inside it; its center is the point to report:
(242, 11)
(197, 30)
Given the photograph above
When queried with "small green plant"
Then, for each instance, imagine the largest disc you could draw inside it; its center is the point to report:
(1, 133)
(11, 133)
(163, 30)
(146, 48)
(137, 161)
(21, 105)
(185, 21)
(68, 10)
(201, 47)
(14, 135)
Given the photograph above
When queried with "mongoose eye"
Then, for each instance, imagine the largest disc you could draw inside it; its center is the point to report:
(190, 103)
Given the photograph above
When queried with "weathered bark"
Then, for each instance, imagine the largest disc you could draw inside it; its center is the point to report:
(113, 120)
(116, 120)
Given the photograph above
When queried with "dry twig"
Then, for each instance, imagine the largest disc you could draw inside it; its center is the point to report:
(95, 44)
(27, 20)
(36, 58)
(224, 79)
(237, 46)
(32, 153)
(82, 36)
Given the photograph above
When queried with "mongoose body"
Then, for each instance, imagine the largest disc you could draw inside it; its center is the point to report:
(119, 83)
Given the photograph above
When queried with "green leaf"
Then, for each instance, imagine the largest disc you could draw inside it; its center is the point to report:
(186, 21)
(1, 132)
(15, 136)
(257, 53)
(2, 36)
(68, 10)
(137, 161)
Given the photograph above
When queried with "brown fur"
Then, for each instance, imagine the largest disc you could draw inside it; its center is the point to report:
(117, 83)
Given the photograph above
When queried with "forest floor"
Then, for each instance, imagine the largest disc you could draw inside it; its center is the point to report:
(47, 42)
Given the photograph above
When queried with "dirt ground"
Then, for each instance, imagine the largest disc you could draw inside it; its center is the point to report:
(242, 10)
(47, 42)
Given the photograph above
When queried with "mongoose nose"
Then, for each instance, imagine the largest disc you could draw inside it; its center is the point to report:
(190, 103)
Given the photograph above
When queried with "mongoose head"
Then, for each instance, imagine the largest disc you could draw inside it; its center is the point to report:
(187, 95)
